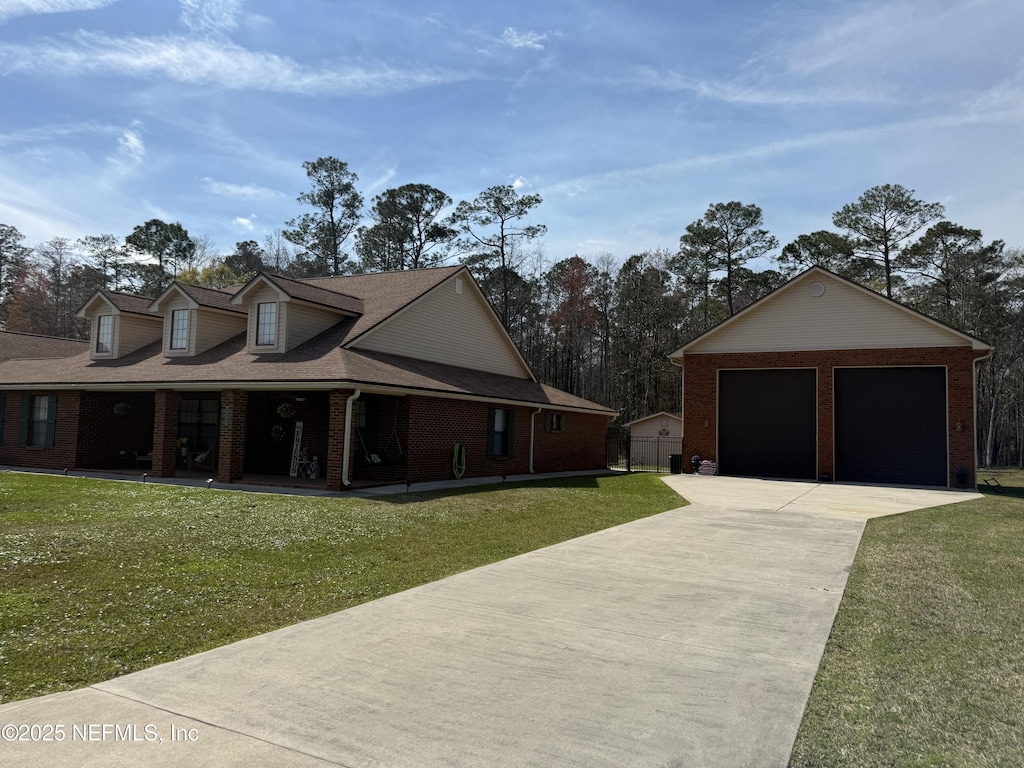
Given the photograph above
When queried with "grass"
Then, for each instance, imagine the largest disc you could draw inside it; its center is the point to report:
(925, 664)
(101, 578)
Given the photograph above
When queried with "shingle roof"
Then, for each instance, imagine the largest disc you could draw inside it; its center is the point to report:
(383, 293)
(208, 297)
(320, 360)
(327, 297)
(129, 302)
(15, 345)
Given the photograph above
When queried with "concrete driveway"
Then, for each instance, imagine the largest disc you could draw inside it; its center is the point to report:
(690, 638)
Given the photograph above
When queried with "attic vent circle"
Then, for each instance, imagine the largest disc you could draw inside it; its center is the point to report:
(816, 289)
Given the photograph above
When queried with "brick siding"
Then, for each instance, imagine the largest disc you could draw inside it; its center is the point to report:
(165, 432)
(64, 454)
(435, 425)
(701, 394)
(110, 441)
(89, 435)
(231, 458)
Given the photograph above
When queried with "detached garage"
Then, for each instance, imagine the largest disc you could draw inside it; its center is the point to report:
(826, 379)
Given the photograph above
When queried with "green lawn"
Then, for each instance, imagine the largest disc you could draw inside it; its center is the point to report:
(100, 578)
(925, 664)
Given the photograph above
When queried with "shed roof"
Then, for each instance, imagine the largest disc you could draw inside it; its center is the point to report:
(15, 346)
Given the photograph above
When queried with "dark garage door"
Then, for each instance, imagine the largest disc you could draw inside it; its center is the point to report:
(891, 425)
(767, 424)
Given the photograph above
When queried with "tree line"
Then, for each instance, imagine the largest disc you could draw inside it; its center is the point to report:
(590, 326)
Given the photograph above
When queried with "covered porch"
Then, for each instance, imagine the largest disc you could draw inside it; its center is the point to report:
(291, 438)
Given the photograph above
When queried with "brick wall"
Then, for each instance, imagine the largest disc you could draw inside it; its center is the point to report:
(336, 438)
(63, 455)
(579, 445)
(701, 395)
(109, 441)
(165, 432)
(234, 405)
(435, 425)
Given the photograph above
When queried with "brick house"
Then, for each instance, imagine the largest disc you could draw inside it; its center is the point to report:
(377, 378)
(825, 379)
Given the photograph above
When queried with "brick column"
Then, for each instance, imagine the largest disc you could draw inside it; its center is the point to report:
(234, 404)
(165, 433)
(336, 439)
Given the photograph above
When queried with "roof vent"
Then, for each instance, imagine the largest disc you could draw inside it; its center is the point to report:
(816, 289)
(458, 285)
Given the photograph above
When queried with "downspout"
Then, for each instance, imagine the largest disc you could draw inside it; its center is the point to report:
(345, 450)
(532, 415)
(682, 402)
(974, 382)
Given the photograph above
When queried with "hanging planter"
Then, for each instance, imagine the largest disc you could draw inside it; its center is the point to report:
(277, 432)
(121, 409)
(286, 410)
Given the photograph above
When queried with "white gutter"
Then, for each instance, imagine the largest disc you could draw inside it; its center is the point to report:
(289, 386)
(974, 383)
(345, 449)
(532, 415)
(682, 395)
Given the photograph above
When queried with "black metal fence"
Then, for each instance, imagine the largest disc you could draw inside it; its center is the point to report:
(644, 454)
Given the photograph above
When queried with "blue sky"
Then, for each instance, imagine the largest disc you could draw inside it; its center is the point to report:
(629, 118)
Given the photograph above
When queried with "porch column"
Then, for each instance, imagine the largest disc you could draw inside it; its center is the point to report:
(234, 405)
(165, 433)
(336, 438)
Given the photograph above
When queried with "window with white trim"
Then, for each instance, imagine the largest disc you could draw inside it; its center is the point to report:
(500, 427)
(104, 334)
(266, 324)
(38, 419)
(179, 329)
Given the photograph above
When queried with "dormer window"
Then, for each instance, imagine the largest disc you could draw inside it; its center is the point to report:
(266, 324)
(104, 334)
(179, 329)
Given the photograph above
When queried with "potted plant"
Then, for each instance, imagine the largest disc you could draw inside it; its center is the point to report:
(183, 445)
(961, 475)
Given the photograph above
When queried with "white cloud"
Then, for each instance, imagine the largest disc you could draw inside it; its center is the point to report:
(242, 191)
(381, 180)
(9, 9)
(210, 16)
(203, 62)
(908, 128)
(132, 147)
(738, 93)
(519, 183)
(244, 224)
(513, 38)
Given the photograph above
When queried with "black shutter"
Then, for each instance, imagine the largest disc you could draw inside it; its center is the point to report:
(510, 431)
(26, 406)
(51, 420)
(490, 431)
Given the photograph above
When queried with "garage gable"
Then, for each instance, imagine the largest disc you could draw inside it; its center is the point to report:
(819, 310)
